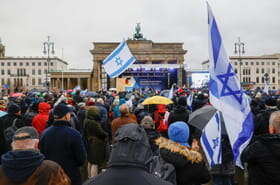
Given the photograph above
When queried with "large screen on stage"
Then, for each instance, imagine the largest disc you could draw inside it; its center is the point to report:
(199, 79)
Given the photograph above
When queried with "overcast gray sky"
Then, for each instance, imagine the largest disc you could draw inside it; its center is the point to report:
(74, 25)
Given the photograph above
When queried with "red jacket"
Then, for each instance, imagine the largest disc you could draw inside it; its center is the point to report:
(40, 120)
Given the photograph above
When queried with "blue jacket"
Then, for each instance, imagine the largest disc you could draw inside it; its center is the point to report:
(64, 145)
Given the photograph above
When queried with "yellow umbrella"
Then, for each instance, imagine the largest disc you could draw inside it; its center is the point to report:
(157, 100)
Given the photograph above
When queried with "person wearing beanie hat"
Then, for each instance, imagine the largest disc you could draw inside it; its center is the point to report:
(148, 123)
(6, 121)
(180, 113)
(63, 144)
(186, 160)
(179, 132)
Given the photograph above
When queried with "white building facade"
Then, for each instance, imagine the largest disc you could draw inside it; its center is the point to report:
(252, 69)
(18, 73)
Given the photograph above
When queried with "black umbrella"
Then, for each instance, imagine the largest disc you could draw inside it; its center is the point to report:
(201, 117)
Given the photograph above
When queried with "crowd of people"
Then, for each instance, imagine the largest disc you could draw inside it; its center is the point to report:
(63, 138)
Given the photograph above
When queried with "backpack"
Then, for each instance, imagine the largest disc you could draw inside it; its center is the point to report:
(10, 132)
(161, 169)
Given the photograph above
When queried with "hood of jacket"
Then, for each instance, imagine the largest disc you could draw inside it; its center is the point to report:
(19, 165)
(44, 107)
(93, 113)
(131, 147)
(272, 143)
(177, 154)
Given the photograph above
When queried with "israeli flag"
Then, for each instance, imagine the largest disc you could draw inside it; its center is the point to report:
(211, 140)
(171, 92)
(226, 94)
(266, 88)
(190, 101)
(118, 61)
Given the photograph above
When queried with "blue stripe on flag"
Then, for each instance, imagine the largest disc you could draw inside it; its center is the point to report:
(216, 41)
(220, 151)
(114, 54)
(208, 148)
(217, 120)
(131, 60)
(244, 135)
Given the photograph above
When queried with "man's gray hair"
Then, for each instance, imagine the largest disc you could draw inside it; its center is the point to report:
(274, 121)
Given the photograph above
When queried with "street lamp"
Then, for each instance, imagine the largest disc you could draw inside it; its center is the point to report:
(239, 48)
(47, 47)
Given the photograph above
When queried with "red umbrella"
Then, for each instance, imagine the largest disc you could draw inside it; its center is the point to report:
(16, 94)
(69, 90)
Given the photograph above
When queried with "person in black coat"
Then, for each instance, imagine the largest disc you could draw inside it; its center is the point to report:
(263, 155)
(63, 144)
(6, 121)
(127, 161)
(180, 113)
(261, 121)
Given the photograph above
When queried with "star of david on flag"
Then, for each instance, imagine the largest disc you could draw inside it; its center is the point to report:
(118, 61)
(211, 140)
(226, 94)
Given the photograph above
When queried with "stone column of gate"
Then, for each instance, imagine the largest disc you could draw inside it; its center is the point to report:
(180, 74)
(79, 81)
(57, 83)
(95, 79)
(68, 83)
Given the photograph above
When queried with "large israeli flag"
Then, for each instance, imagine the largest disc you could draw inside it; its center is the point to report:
(226, 94)
(118, 61)
(211, 140)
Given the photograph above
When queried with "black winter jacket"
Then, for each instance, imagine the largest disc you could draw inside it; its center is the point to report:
(64, 145)
(5, 122)
(263, 158)
(189, 165)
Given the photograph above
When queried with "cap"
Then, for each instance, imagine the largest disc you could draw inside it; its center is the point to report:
(30, 133)
(61, 110)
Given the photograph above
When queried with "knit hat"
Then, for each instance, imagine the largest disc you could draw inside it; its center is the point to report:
(147, 122)
(30, 133)
(61, 110)
(179, 132)
(13, 108)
